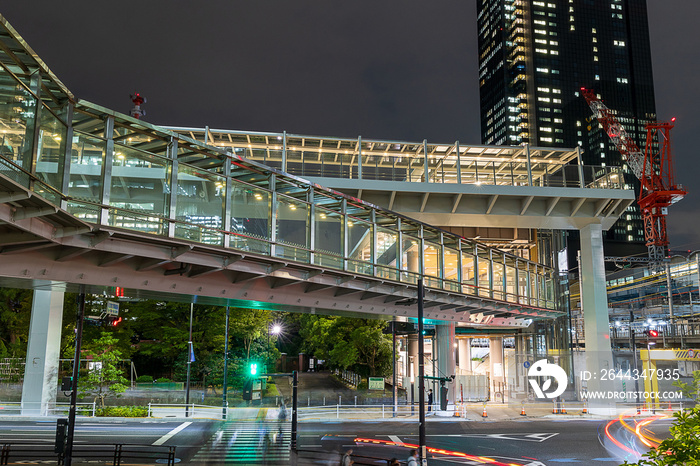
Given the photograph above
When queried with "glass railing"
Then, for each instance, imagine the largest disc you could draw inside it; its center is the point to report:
(316, 157)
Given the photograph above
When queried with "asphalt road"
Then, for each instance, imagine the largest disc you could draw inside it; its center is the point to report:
(533, 442)
(101, 435)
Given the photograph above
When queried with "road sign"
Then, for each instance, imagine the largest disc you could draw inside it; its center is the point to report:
(112, 308)
(527, 364)
(376, 383)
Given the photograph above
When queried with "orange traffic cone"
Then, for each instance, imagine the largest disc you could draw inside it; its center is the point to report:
(585, 408)
(554, 408)
(563, 408)
(522, 410)
(483, 414)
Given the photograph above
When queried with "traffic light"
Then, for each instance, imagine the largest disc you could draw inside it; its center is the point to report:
(253, 369)
(112, 321)
(652, 333)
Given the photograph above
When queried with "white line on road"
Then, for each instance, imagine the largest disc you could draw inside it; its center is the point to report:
(170, 434)
(396, 440)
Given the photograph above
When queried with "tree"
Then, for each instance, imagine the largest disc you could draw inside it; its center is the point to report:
(106, 377)
(357, 344)
(249, 325)
(683, 447)
(15, 312)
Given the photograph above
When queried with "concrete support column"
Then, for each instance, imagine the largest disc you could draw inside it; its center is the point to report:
(43, 353)
(412, 365)
(465, 354)
(594, 300)
(496, 366)
(446, 357)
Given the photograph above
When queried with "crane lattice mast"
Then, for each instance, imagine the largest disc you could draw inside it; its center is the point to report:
(653, 168)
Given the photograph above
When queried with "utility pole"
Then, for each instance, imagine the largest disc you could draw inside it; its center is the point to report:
(634, 353)
(76, 373)
(393, 382)
(421, 374)
(295, 383)
(190, 351)
(224, 399)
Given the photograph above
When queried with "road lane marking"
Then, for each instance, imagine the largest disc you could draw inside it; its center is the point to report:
(172, 433)
(396, 440)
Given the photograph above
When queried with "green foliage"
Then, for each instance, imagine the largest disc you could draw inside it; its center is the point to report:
(357, 344)
(15, 312)
(692, 389)
(683, 447)
(144, 379)
(162, 380)
(122, 411)
(107, 379)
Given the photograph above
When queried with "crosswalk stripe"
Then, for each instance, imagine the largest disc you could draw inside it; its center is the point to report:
(248, 443)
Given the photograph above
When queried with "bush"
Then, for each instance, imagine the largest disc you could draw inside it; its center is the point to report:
(162, 380)
(364, 385)
(122, 411)
(144, 379)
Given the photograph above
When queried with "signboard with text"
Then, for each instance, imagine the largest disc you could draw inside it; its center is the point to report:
(376, 383)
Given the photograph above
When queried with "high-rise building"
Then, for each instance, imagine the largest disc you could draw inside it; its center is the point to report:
(534, 58)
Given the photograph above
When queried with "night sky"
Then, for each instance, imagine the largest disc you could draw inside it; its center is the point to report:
(395, 70)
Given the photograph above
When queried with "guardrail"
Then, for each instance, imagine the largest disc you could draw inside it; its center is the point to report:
(181, 410)
(23, 408)
(118, 453)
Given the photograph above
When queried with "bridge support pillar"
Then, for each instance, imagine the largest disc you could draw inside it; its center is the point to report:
(43, 353)
(594, 300)
(412, 367)
(497, 368)
(465, 354)
(447, 366)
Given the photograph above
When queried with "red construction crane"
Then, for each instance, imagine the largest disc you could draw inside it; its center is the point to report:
(653, 168)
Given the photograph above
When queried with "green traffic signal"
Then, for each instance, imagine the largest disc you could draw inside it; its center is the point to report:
(253, 368)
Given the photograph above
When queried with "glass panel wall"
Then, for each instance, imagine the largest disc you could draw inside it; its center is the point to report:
(250, 218)
(328, 237)
(410, 259)
(386, 254)
(17, 114)
(85, 172)
(359, 252)
(292, 229)
(468, 274)
(522, 283)
(451, 270)
(200, 203)
(51, 149)
(141, 188)
(484, 274)
(510, 284)
(433, 265)
(498, 279)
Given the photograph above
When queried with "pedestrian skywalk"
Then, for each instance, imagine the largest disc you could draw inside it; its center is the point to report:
(248, 442)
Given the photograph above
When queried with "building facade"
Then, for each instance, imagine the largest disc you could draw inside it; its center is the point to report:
(534, 58)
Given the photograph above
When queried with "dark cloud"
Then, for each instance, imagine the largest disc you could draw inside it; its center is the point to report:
(402, 70)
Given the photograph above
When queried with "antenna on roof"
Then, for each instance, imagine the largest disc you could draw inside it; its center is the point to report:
(137, 112)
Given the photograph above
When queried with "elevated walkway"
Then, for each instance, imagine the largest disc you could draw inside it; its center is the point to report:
(455, 185)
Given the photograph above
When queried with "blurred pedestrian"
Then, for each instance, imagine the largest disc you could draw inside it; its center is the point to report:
(282, 416)
(430, 400)
(412, 458)
(347, 459)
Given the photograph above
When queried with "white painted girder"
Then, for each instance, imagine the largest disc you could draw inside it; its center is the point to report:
(469, 205)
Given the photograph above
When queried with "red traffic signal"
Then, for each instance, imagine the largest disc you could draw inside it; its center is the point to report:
(112, 321)
(652, 333)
